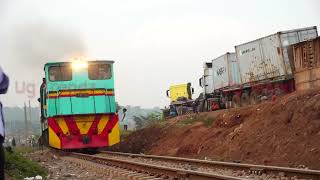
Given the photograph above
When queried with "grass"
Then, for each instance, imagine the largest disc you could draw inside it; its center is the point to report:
(19, 167)
(24, 149)
(157, 122)
(206, 121)
(162, 123)
(189, 120)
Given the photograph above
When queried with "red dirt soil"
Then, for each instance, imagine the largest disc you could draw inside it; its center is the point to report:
(285, 132)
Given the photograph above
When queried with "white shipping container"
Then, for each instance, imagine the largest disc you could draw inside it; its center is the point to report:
(225, 71)
(267, 57)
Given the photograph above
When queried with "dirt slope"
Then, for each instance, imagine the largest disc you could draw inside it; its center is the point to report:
(285, 132)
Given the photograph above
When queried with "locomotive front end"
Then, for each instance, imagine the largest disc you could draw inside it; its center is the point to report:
(78, 105)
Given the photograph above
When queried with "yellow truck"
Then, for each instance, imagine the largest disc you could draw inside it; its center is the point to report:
(180, 100)
(180, 92)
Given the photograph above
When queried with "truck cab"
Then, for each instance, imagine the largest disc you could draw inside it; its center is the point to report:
(180, 92)
(206, 81)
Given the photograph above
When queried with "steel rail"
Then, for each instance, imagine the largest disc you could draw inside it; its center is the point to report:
(250, 168)
(154, 170)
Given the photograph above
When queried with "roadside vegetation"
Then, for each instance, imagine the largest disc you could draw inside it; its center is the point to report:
(19, 167)
(156, 119)
(149, 120)
(206, 121)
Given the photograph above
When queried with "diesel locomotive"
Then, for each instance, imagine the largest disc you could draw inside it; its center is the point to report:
(78, 107)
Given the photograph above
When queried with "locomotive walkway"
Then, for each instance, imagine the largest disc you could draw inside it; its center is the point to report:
(140, 166)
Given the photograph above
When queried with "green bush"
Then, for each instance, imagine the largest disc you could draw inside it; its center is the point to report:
(19, 167)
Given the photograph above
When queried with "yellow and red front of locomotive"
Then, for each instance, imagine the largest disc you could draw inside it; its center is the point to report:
(83, 131)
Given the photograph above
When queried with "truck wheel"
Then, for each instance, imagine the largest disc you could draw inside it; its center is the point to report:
(254, 98)
(236, 101)
(245, 100)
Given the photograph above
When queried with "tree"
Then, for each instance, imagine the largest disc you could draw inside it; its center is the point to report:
(139, 120)
(143, 121)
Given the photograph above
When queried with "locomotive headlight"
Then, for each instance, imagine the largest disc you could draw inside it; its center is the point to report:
(79, 64)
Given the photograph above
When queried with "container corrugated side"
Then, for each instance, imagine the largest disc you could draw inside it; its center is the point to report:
(260, 59)
(225, 71)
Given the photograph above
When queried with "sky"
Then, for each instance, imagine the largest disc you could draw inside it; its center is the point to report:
(154, 43)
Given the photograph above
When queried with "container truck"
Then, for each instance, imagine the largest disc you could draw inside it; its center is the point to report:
(224, 75)
(258, 70)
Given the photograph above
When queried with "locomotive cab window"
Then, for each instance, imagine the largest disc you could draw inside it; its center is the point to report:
(60, 73)
(99, 71)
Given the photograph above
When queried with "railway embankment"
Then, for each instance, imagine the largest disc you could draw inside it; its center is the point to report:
(284, 132)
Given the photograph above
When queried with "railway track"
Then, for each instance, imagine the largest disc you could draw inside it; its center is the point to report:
(225, 169)
(140, 166)
(128, 169)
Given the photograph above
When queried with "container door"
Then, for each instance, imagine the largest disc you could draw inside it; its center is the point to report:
(291, 38)
(272, 62)
(233, 67)
(220, 72)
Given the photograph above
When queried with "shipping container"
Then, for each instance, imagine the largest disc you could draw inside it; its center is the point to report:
(267, 58)
(306, 63)
(225, 71)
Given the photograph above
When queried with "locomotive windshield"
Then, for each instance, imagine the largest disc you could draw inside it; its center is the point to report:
(60, 73)
(99, 71)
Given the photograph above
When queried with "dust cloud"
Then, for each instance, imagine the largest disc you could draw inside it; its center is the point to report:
(38, 43)
(28, 47)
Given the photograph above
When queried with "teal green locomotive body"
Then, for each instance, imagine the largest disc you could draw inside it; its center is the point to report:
(78, 105)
